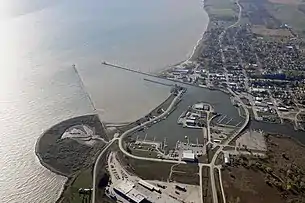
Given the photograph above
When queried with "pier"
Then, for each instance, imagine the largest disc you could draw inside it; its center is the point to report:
(149, 75)
(128, 69)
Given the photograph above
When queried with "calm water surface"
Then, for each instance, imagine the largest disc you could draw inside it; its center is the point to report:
(41, 39)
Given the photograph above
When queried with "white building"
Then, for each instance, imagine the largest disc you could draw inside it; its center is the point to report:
(126, 190)
(149, 186)
(199, 106)
(188, 155)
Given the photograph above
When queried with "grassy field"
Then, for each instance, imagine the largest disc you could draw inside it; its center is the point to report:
(221, 9)
(289, 14)
(185, 173)
(218, 188)
(146, 169)
(277, 178)
(206, 189)
(83, 180)
(185, 178)
(144, 153)
(67, 156)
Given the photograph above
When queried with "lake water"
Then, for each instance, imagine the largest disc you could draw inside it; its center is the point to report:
(41, 39)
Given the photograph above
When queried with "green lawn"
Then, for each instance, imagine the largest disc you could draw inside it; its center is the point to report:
(83, 180)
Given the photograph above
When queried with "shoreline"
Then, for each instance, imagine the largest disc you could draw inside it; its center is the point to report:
(69, 178)
(197, 48)
(48, 166)
(199, 44)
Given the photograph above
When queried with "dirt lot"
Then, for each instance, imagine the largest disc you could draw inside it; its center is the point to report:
(278, 178)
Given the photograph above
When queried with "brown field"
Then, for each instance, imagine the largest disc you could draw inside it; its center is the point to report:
(277, 178)
(262, 30)
(247, 186)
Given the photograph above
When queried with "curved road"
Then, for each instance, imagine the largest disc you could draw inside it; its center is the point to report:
(147, 123)
(212, 164)
(95, 168)
(165, 113)
(222, 146)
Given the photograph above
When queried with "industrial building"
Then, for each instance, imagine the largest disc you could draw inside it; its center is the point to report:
(126, 190)
(199, 106)
(149, 186)
(188, 155)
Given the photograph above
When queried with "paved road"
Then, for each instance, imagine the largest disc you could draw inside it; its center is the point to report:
(165, 113)
(221, 185)
(96, 168)
(212, 164)
(224, 144)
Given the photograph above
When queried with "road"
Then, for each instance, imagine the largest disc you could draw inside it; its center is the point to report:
(212, 164)
(296, 119)
(165, 113)
(221, 185)
(213, 185)
(94, 177)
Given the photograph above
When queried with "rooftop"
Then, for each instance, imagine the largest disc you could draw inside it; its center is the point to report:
(127, 188)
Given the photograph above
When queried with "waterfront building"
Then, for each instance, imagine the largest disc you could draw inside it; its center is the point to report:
(126, 190)
(188, 155)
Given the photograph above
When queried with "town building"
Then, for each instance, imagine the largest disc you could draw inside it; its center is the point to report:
(188, 155)
(126, 190)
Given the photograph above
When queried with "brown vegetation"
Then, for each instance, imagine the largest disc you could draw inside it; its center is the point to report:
(280, 177)
(67, 156)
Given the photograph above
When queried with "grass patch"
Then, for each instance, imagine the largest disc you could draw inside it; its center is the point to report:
(289, 14)
(82, 180)
(221, 9)
(186, 178)
(188, 168)
(206, 185)
(146, 169)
